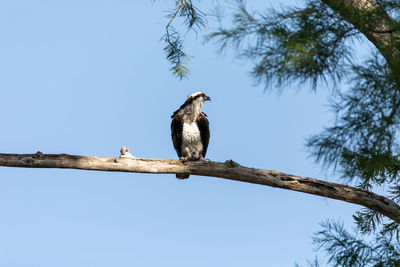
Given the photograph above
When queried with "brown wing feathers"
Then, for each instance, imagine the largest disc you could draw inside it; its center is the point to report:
(202, 123)
(176, 133)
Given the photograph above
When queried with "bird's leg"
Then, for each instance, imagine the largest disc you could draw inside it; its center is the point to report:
(200, 156)
(185, 155)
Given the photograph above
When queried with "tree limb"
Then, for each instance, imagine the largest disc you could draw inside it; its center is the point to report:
(228, 170)
(373, 21)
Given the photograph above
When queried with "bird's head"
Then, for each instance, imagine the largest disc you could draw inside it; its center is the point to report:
(192, 105)
(198, 97)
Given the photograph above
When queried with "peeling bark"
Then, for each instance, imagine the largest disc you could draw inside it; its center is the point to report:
(228, 170)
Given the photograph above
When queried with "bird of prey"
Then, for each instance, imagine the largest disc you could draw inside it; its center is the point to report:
(190, 130)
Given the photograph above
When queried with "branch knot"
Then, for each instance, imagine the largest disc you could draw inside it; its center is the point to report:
(38, 155)
(231, 164)
(125, 153)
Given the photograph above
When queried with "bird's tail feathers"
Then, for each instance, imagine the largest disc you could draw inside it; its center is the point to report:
(182, 176)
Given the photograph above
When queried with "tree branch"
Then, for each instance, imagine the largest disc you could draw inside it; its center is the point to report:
(373, 21)
(228, 170)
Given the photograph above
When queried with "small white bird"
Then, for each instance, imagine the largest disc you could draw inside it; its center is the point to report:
(190, 130)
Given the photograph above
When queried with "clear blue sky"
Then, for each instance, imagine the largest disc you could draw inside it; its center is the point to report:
(86, 77)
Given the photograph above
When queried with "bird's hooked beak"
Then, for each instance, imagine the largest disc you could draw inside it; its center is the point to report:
(207, 98)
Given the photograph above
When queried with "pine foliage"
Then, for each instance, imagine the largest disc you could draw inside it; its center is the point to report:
(363, 139)
(346, 249)
(307, 44)
(192, 19)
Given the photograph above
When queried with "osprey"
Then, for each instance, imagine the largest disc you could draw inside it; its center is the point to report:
(190, 131)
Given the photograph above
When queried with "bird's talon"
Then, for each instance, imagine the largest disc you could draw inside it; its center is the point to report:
(184, 159)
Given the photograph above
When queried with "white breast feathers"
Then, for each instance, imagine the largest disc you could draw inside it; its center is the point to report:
(191, 141)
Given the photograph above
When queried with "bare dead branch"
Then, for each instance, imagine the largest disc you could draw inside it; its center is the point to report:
(228, 170)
